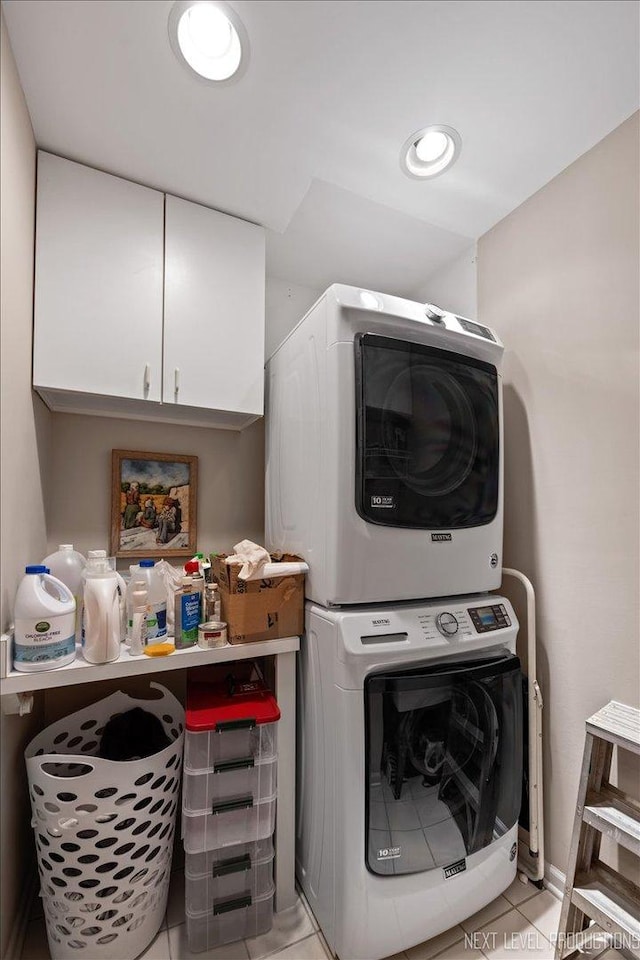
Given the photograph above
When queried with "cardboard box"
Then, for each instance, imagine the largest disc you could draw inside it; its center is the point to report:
(259, 609)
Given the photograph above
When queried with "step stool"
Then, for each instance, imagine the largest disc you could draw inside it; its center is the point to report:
(593, 890)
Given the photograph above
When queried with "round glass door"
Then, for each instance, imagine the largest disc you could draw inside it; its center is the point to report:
(427, 438)
(433, 450)
(443, 762)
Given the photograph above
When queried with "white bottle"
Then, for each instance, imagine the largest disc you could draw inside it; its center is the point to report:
(102, 615)
(139, 605)
(68, 565)
(134, 587)
(212, 602)
(45, 618)
(156, 619)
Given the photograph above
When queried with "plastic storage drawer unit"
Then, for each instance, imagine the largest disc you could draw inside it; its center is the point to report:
(226, 721)
(242, 777)
(225, 874)
(230, 919)
(231, 763)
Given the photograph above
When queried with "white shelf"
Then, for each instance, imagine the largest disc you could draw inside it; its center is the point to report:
(15, 689)
(80, 671)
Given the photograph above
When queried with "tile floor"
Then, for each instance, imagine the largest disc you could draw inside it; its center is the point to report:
(429, 834)
(516, 926)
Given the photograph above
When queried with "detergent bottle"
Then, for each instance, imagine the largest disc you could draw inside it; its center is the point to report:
(45, 621)
(104, 591)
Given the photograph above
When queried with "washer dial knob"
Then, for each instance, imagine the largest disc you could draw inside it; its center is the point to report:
(447, 624)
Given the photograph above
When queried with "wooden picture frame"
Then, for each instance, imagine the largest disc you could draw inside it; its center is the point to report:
(153, 504)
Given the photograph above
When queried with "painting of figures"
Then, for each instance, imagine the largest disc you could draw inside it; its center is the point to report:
(153, 504)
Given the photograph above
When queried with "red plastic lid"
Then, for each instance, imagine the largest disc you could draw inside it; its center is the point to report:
(216, 706)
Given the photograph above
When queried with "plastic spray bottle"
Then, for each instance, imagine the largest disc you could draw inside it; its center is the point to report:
(192, 569)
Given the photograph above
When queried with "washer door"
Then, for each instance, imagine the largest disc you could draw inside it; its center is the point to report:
(427, 436)
(444, 762)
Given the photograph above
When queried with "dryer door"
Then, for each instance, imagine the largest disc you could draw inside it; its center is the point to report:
(443, 761)
(427, 436)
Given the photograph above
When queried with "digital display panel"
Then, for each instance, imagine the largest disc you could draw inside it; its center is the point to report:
(486, 615)
(476, 328)
(489, 618)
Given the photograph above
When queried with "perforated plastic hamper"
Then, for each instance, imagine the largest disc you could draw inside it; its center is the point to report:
(104, 831)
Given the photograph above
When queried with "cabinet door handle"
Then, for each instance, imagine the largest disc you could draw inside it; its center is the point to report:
(147, 378)
(176, 381)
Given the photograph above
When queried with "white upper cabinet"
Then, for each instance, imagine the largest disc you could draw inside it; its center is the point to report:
(213, 310)
(98, 296)
(146, 306)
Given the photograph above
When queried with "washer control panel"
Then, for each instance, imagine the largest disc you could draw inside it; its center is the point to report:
(494, 617)
(452, 623)
(447, 624)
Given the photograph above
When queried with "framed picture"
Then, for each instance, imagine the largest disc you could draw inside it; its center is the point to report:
(153, 504)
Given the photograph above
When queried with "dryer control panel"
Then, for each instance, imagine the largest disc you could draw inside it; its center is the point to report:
(494, 617)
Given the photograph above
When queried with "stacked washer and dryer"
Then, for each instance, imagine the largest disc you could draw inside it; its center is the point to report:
(384, 470)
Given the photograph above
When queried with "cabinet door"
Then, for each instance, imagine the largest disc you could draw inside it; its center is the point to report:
(213, 310)
(98, 296)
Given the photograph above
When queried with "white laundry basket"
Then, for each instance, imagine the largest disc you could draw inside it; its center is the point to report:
(104, 830)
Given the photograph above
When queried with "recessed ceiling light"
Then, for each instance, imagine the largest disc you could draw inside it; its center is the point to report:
(431, 146)
(429, 152)
(209, 37)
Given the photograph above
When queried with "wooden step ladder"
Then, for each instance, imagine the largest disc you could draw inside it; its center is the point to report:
(593, 890)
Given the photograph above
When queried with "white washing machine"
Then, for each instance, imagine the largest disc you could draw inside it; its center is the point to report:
(409, 768)
(384, 450)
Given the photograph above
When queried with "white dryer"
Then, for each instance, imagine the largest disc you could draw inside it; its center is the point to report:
(409, 768)
(384, 450)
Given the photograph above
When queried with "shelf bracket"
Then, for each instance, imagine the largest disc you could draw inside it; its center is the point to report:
(18, 704)
(5, 654)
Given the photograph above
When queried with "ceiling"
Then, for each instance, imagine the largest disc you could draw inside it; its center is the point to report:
(307, 141)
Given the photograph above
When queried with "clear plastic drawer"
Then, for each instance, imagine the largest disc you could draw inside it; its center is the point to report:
(201, 864)
(244, 776)
(228, 822)
(228, 742)
(229, 919)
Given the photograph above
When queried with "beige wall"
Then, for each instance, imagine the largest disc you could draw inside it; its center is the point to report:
(25, 447)
(285, 304)
(559, 280)
(230, 486)
(454, 286)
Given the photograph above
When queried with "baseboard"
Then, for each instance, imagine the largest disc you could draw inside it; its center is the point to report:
(554, 880)
(21, 919)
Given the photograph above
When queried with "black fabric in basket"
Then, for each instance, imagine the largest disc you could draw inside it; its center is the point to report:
(132, 736)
